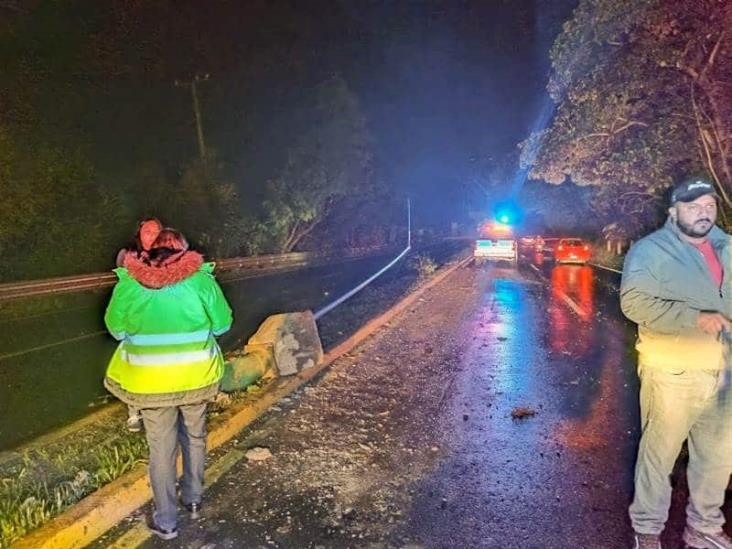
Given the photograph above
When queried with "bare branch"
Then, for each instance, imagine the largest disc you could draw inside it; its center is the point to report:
(629, 125)
(707, 152)
(713, 55)
(287, 246)
(615, 131)
(636, 193)
(688, 71)
(591, 135)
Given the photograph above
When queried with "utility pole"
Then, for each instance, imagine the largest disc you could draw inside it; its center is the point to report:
(196, 110)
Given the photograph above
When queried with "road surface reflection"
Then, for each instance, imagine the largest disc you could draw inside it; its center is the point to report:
(571, 309)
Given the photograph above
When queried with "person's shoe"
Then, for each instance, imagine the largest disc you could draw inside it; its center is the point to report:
(647, 541)
(699, 540)
(134, 424)
(194, 509)
(161, 533)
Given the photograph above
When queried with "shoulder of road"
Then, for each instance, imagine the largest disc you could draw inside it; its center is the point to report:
(100, 511)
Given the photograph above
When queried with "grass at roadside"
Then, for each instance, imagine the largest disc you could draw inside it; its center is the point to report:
(45, 481)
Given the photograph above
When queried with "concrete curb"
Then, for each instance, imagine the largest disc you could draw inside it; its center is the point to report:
(91, 517)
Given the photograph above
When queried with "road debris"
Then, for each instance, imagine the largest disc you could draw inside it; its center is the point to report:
(522, 412)
(258, 453)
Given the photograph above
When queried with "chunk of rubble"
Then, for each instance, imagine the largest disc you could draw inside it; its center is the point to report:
(258, 453)
(522, 412)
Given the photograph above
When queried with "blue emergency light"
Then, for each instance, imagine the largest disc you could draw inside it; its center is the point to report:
(507, 212)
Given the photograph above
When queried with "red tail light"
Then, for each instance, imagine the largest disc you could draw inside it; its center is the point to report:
(587, 248)
(560, 247)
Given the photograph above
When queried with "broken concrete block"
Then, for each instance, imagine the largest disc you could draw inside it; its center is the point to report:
(246, 369)
(294, 340)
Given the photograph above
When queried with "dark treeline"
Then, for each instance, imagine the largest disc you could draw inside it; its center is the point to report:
(317, 119)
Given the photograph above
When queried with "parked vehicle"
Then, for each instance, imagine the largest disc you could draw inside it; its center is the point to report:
(495, 242)
(549, 244)
(572, 250)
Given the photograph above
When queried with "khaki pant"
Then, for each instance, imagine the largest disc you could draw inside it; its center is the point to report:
(165, 428)
(693, 405)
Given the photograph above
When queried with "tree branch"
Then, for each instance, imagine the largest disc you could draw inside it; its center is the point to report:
(707, 152)
(629, 124)
(712, 56)
(615, 131)
(635, 193)
(297, 236)
(287, 246)
(597, 134)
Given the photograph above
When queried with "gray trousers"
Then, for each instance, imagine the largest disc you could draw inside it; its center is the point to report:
(165, 428)
(692, 405)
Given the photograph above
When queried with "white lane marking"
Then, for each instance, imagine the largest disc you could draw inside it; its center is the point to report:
(572, 304)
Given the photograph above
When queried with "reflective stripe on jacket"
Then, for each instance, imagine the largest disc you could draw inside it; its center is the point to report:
(166, 335)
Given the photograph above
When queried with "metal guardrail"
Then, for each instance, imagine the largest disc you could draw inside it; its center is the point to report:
(16, 290)
(263, 263)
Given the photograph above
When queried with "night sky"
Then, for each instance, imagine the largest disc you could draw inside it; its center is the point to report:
(447, 89)
(453, 84)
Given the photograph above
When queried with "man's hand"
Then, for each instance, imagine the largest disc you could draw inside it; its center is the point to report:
(712, 323)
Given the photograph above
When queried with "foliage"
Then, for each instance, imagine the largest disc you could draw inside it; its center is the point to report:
(331, 159)
(91, 84)
(361, 221)
(557, 209)
(44, 486)
(424, 265)
(54, 217)
(607, 257)
(643, 97)
(203, 204)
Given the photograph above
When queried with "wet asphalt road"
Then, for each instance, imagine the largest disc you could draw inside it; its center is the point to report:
(410, 442)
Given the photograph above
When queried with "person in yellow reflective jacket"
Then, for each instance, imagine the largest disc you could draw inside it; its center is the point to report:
(166, 310)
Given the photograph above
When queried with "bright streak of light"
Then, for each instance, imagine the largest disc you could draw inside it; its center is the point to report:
(540, 124)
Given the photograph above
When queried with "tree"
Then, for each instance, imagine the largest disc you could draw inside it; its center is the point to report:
(202, 203)
(331, 159)
(643, 96)
(557, 208)
(55, 219)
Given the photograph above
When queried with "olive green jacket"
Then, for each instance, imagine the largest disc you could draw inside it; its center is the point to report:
(666, 284)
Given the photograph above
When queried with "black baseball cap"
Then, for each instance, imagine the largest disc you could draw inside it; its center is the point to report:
(691, 189)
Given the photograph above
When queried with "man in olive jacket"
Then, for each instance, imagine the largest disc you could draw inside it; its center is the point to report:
(676, 287)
